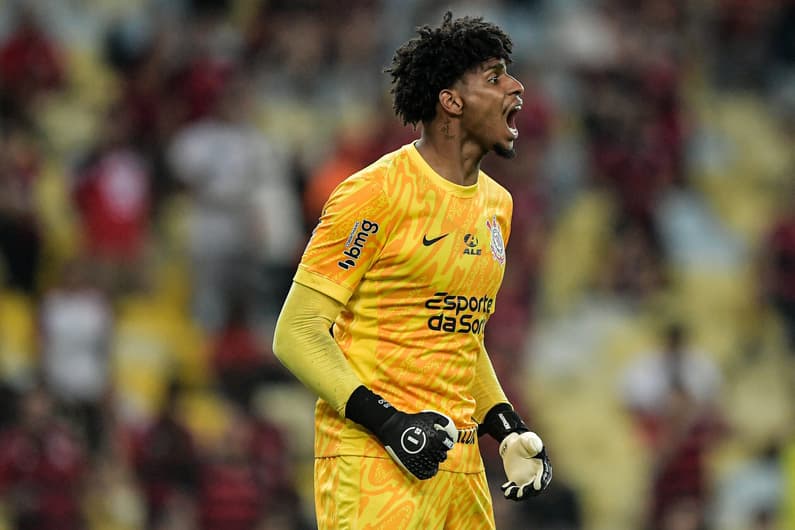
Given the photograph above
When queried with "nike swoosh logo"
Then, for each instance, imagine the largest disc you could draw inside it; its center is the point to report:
(428, 242)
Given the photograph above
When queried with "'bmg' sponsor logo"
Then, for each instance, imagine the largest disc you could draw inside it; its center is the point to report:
(356, 241)
(459, 313)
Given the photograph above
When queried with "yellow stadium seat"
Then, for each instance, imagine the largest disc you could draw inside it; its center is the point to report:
(573, 256)
(154, 344)
(746, 185)
(787, 519)
(60, 229)
(206, 415)
(17, 337)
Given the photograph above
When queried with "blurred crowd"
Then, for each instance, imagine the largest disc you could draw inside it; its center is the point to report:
(162, 163)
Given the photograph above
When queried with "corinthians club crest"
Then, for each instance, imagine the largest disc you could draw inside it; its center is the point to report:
(497, 245)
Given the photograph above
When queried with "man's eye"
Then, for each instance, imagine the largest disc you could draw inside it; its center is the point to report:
(493, 80)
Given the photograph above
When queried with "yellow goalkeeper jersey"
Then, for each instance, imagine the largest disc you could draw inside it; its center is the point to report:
(417, 262)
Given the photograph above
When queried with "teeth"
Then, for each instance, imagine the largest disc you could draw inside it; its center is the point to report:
(514, 130)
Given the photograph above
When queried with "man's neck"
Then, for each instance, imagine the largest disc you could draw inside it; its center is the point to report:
(449, 156)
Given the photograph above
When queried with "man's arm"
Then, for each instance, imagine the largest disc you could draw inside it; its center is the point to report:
(486, 388)
(303, 343)
(524, 456)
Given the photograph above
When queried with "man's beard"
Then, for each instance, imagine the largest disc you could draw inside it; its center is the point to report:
(504, 152)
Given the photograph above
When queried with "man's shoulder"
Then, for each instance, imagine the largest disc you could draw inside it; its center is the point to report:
(379, 172)
(494, 187)
(379, 169)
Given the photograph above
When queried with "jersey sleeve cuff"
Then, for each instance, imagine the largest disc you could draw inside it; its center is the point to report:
(321, 283)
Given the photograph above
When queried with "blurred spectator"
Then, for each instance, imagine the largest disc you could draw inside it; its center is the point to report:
(291, 43)
(245, 482)
(635, 133)
(355, 146)
(8, 404)
(647, 382)
(231, 495)
(748, 495)
(30, 63)
(632, 125)
(244, 213)
(113, 500)
(146, 62)
(345, 159)
(682, 514)
(269, 456)
(42, 468)
(112, 194)
(200, 86)
(742, 32)
(560, 508)
(782, 47)
(76, 325)
(166, 463)
(20, 239)
(680, 490)
(139, 59)
(239, 357)
(672, 395)
(764, 519)
(634, 268)
(778, 267)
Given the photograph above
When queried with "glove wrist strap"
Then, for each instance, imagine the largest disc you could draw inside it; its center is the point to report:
(501, 421)
(368, 409)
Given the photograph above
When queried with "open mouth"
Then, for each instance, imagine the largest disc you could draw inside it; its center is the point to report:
(510, 120)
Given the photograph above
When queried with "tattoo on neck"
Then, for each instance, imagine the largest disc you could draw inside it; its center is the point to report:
(446, 129)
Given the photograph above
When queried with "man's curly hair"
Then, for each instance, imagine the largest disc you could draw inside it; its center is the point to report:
(434, 60)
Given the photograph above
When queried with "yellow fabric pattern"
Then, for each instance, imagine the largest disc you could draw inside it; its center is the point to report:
(417, 261)
(372, 493)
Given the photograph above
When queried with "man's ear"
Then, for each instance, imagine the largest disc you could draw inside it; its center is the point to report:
(451, 101)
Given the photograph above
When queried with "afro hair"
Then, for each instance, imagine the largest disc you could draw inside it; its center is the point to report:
(436, 58)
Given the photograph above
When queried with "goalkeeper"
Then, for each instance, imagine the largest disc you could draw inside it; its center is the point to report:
(386, 314)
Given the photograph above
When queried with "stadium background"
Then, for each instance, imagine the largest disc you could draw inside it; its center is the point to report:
(162, 162)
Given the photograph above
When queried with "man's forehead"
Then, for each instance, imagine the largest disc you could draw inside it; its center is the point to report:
(495, 63)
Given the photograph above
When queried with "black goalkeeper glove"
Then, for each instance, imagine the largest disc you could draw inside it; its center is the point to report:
(524, 456)
(416, 442)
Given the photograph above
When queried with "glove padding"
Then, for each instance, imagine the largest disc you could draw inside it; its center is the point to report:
(418, 442)
(526, 464)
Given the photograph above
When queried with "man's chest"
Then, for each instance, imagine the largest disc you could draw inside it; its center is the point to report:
(454, 250)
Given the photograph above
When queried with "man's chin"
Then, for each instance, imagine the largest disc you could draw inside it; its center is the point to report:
(504, 152)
